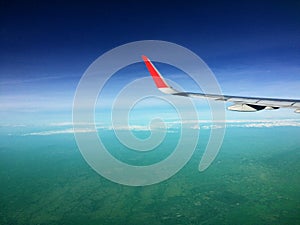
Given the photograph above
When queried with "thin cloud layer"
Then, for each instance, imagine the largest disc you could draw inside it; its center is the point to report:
(173, 126)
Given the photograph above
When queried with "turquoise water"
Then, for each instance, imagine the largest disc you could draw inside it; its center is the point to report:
(254, 180)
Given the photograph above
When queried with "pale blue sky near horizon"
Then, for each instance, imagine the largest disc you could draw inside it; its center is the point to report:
(252, 48)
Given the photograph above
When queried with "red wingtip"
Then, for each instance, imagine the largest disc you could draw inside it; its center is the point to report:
(145, 58)
(158, 79)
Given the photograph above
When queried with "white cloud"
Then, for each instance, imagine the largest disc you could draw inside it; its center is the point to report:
(208, 124)
(170, 126)
(283, 123)
(53, 132)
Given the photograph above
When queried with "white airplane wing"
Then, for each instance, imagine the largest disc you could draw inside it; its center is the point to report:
(241, 104)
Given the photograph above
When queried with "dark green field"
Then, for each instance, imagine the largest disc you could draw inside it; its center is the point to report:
(254, 180)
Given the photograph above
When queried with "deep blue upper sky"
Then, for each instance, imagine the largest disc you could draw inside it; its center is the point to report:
(66, 37)
(56, 41)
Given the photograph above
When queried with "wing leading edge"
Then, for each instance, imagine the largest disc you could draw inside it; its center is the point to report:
(241, 104)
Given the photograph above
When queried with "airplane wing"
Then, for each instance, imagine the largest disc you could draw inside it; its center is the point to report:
(241, 104)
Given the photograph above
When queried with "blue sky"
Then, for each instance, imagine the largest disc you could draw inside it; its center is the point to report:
(253, 48)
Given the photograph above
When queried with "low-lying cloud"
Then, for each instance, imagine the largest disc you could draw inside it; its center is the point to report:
(171, 126)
